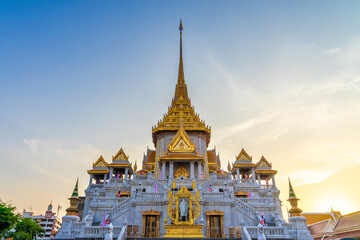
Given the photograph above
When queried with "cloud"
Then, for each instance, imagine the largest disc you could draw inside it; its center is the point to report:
(333, 50)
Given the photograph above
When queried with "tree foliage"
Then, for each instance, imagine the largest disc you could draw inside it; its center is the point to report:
(26, 229)
(7, 217)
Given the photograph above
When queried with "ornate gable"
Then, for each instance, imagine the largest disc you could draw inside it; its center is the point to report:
(243, 156)
(264, 163)
(181, 142)
(120, 155)
(100, 162)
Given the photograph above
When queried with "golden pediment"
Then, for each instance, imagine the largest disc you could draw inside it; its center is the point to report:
(120, 155)
(241, 193)
(214, 212)
(151, 212)
(263, 162)
(243, 155)
(100, 162)
(181, 142)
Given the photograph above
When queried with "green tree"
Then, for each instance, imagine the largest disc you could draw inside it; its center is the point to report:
(7, 217)
(26, 229)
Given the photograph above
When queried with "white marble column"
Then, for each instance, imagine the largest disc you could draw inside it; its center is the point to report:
(111, 175)
(90, 181)
(191, 170)
(238, 174)
(199, 170)
(126, 173)
(163, 170)
(259, 180)
(104, 178)
(171, 172)
(253, 175)
(273, 181)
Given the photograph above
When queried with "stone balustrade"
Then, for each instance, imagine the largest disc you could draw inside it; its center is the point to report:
(254, 201)
(246, 181)
(267, 186)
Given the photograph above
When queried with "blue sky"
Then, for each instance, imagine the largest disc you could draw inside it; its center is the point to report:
(79, 79)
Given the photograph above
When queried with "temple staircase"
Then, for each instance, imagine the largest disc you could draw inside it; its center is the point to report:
(120, 209)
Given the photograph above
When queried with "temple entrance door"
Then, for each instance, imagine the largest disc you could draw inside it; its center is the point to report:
(215, 226)
(150, 226)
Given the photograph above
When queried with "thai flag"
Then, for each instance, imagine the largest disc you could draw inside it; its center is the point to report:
(119, 193)
(210, 189)
(155, 187)
(267, 182)
(263, 221)
(117, 176)
(202, 175)
(141, 172)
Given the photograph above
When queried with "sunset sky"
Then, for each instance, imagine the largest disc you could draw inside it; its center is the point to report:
(80, 79)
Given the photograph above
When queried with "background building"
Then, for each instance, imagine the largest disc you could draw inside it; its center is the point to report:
(49, 222)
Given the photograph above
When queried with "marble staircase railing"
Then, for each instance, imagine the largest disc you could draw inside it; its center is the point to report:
(99, 231)
(247, 210)
(269, 232)
(120, 209)
(245, 234)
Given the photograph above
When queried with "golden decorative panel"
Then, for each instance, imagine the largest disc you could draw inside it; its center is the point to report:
(183, 196)
(181, 171)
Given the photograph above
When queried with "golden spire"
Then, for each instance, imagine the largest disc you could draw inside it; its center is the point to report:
(181, 89)
(180, 112)
(294, 210)
(74, 199)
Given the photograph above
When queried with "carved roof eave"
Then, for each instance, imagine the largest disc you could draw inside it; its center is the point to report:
(98, 171)
(265, 171)
(189, 156)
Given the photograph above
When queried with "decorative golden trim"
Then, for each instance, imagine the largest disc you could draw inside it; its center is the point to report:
(98, 171)
(240, 165)
(151, 212)
(119, 165)
(241, 193)
(266, 171)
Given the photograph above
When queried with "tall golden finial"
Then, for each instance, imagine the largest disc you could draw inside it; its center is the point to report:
(294, 210)
(181, 89)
